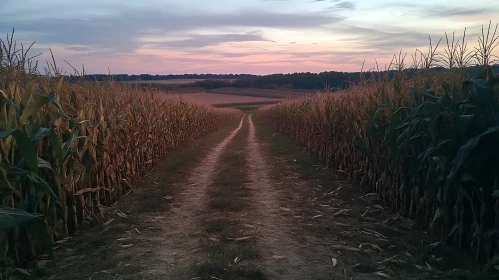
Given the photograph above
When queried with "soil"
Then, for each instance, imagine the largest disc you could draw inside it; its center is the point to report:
(246, 203)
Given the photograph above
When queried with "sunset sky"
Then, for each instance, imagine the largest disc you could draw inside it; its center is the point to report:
(236, 36)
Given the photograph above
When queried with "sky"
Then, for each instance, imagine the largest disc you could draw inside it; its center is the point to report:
(236, 36)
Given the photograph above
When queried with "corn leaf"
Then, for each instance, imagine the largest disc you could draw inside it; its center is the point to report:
(12, 217)
(40, 134)
(25, 145)
(68, 146)
(464, 152)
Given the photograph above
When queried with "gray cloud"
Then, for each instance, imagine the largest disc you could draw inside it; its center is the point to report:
(379, 39)
(344, 5)
(428, 9)
(198, 41)
(122, 31)
(451, 11)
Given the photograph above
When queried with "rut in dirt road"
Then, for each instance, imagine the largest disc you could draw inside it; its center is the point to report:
(202, 176)
(282, 256)
(181, 229)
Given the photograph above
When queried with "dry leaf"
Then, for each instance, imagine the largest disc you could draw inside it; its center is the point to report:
(348, 248)
(108, 222)
(380, 273)
(121, 214)
(341, 211)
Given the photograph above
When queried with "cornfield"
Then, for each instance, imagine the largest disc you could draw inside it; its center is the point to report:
(69, 148)
(427, 145)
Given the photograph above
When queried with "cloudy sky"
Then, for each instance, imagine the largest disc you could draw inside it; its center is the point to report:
(236, 36)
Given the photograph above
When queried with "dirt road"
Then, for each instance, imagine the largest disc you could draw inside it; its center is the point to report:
(245, 203)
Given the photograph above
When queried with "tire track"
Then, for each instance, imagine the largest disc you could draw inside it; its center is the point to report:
(180, 248)
(280, 253)
(203, 175)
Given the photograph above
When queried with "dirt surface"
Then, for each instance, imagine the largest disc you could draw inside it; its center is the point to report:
(220, 99)
(290, 93)
(246, 203)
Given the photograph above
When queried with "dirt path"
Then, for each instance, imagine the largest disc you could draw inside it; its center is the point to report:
(178, 244)
(284, 258)
(245, 203)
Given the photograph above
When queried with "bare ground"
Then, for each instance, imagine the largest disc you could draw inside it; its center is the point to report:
(246, 203)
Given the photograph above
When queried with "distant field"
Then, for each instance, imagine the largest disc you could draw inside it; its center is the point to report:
(225, 99)
(246, 106)
(168, 82)
(257, 92)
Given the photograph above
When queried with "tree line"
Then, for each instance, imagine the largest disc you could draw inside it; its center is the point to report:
(149, 77)
(301, 80)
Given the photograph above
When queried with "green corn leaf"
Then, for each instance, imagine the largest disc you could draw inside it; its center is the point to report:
(12, 217)
(41, 164)
(54, 101)
(68, 146)
(485, 94)
(5, 134)
(495, 193)
(43, 186)
(56, 145)
(463, 154)
(16, 171)
(446, 100)
(44, 164)
(398, 118)
(462, 123)
(25, 145)
(35, 107)
(424, 155)
(40, 134)
(13, 116)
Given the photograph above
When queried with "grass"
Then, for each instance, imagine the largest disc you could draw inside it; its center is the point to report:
(229, 195)
(279, 144)
(174, 170)
(228, 191)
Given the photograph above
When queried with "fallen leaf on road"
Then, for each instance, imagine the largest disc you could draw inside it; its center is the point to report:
(380, 273)
(348, 248)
